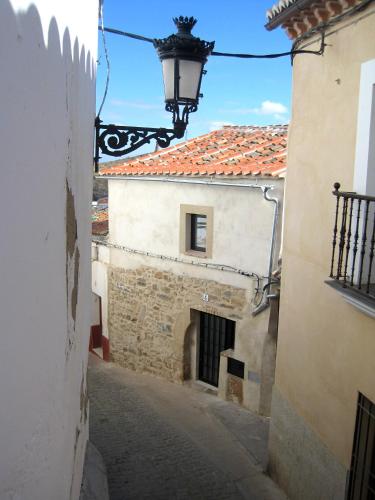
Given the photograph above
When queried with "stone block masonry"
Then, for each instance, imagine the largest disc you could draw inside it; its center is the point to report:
(149, 314)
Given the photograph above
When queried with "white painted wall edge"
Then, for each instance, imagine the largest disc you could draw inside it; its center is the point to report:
(364, 176)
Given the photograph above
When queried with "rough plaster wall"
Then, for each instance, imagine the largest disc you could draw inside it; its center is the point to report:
(305, 468)
(146, 216)
(269, 358)
(47, 89)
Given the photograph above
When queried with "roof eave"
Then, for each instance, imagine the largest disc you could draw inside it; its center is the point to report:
(219, 177)
(286, 14)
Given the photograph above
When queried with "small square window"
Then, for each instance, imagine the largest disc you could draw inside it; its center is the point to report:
(196, 230)
(198, 239)
(236, 367)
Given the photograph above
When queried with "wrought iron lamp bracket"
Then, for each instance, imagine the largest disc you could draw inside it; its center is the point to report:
(119, 140)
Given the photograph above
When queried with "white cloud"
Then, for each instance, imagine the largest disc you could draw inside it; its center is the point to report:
(218, 124)
(266, 108)
(271, 108)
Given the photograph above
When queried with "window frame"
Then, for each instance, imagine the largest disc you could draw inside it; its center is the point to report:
(364, 176)
(186, 229)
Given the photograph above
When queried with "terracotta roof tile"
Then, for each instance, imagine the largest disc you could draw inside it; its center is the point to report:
(233, 150)
(99, 228)
(99, 219)
(298, 17)
(99, 213)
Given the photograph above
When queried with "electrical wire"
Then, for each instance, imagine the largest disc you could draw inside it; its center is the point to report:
(258, 56)
(292, 52)
(102, 29)
(207, 265)
(130, 35)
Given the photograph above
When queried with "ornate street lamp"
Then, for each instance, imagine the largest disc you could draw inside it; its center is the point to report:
(183, 57)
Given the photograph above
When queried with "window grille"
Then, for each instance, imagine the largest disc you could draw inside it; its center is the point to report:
(362, 470)
(236, 367)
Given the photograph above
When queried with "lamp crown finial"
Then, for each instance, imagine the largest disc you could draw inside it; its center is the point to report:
(185, 24)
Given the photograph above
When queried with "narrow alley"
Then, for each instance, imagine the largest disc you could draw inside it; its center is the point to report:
(165, 441)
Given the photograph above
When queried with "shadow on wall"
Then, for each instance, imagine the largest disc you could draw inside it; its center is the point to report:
(47, 101)
(189, 351)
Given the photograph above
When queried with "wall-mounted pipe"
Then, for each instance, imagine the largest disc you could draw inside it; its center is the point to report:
(206, 182)
(266, 297)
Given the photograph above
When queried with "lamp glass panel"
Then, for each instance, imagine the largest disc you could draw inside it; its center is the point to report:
(190, 74)
(168, 76)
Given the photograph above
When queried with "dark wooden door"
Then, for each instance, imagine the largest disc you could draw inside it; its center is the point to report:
(216, 335)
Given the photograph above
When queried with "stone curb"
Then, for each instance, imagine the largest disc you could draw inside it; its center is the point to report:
(94, 481)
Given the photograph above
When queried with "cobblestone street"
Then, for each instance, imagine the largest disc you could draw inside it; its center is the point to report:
(166, 441)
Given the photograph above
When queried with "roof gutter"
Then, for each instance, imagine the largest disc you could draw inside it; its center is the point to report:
(205, 182)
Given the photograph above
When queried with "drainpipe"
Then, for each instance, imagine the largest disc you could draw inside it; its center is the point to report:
(266, 297)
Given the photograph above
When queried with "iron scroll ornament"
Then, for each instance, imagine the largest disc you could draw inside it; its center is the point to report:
(119, 140)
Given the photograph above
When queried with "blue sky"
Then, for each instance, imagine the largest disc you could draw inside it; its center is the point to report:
(236, 91)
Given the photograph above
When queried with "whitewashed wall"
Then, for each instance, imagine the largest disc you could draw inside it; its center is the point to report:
(100, 282)
(47, 95)
(146, 216)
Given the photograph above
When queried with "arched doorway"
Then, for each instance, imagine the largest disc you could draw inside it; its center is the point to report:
(96, 325)
(190, 351)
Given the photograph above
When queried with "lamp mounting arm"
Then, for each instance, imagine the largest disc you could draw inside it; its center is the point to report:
(119, 140)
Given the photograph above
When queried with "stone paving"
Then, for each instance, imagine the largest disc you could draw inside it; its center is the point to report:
(164, 441)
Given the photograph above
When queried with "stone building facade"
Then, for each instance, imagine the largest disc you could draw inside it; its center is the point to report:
(187, 314)
(157, 314)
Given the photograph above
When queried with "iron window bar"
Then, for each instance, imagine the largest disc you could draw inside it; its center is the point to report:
(236, 367)
(362, 468)
(353, 244)
(216, 334)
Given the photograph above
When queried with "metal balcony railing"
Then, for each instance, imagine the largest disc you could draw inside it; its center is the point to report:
(352, 264)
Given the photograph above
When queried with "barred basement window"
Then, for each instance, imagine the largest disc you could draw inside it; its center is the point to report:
(362, 470)
(236, 367)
